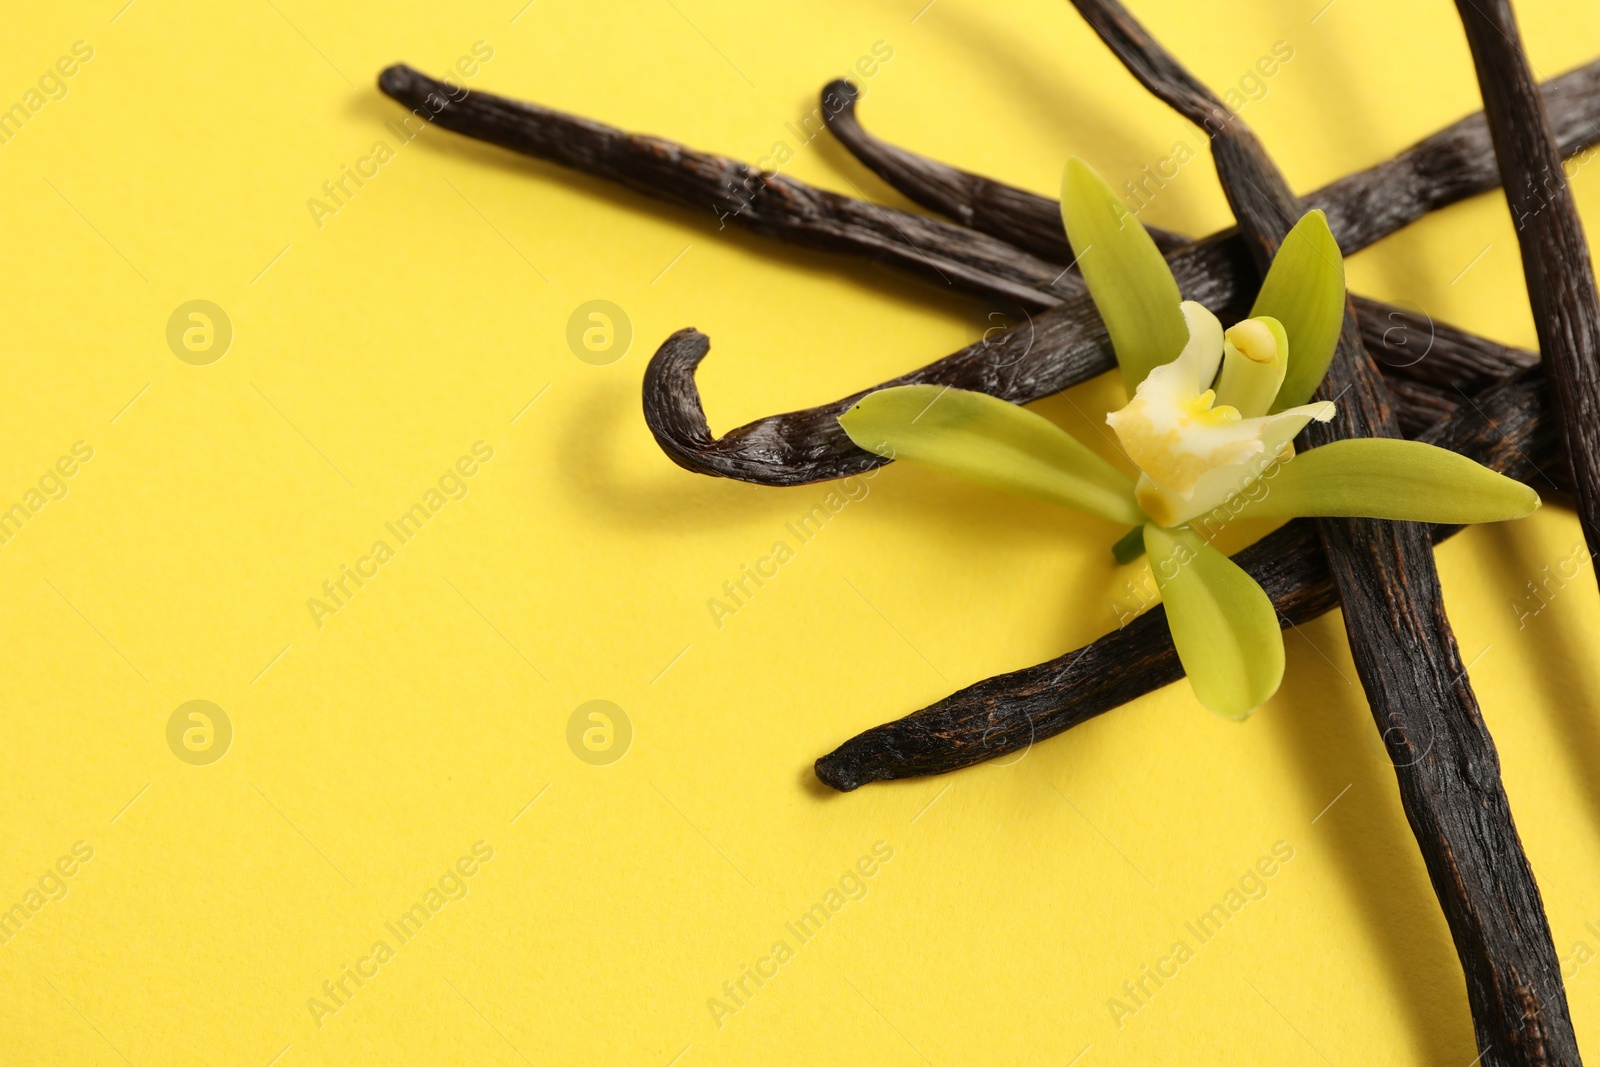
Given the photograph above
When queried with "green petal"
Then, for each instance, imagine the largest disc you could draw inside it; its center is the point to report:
(1128, 277)
(1380, 478)
(977, 436)
(1222, 622)
(1304, 290)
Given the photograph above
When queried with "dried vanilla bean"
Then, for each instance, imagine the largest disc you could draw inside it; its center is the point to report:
(1455, 162)
(828, 221)
(1066, 345)
(1407, 344)
(1034, 361)
(1509, 428)
(1404, 650)
(737, 193)
(1555, 255)
(1045, 355)
(1017, 216)
(1049, 352)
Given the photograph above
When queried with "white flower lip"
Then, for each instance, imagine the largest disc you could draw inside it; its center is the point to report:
(1194, 454)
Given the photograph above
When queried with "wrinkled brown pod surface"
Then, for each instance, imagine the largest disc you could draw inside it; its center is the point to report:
(807, 446)
(1555, 254)
(1411, 348)
(1509, 428)
(1447, 166)
(1404, 650)
(1061, 347)
(733, 193)
(1051, 351)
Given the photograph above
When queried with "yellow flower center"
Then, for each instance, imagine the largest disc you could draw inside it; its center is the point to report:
(1194, 453)
(1200, 410)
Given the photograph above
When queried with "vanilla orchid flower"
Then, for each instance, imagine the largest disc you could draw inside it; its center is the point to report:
(1209, 426)
(1197, 446)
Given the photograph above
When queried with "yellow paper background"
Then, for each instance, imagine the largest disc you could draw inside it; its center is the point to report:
(369, 754)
